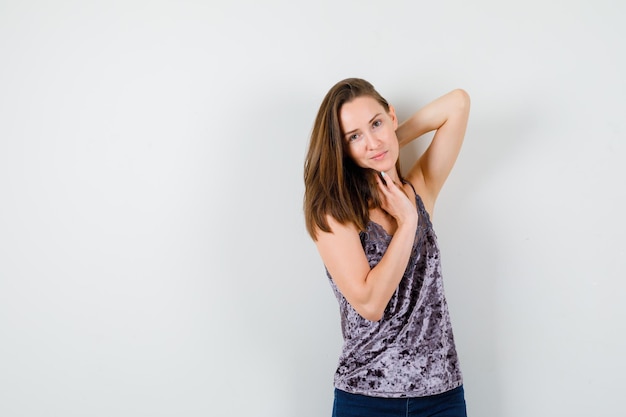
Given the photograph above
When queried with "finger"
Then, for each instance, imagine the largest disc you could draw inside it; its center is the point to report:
(384, 191)
(388, 181)
(381, 180)
(385, 179)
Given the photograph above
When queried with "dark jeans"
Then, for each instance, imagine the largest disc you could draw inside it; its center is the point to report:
(447, 404)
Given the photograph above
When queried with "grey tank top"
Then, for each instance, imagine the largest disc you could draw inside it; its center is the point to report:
(410, 352)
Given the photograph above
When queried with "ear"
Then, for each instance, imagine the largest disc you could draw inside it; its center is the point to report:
(394, 118)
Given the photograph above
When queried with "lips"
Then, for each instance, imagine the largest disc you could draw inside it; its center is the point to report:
(379, 156)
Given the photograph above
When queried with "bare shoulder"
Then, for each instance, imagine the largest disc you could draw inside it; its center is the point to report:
(343, 254)
(341, 236)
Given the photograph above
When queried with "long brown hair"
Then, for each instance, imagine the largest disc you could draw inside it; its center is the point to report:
(334, 184)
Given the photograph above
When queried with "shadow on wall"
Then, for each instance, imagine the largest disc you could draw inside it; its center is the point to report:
(474, 263)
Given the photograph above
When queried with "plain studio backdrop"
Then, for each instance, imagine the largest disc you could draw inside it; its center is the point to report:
(153, 255)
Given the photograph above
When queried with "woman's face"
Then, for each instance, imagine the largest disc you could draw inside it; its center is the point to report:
(369, 133)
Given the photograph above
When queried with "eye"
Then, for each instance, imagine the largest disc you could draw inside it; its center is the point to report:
(377, 123)
(353, 137)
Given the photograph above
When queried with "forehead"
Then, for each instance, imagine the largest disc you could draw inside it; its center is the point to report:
(358, 112)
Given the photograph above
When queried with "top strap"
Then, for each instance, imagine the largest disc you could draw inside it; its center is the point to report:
(408, 182)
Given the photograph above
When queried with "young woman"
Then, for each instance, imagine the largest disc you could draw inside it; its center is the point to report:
(373, 230)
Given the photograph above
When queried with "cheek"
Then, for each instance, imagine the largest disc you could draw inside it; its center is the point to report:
(354, 153)
(393, 141)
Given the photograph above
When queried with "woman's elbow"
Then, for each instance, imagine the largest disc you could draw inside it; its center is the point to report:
(369, 304)
(371, 312)
(462, 99)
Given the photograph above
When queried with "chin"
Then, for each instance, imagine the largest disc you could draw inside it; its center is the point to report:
(385, 167)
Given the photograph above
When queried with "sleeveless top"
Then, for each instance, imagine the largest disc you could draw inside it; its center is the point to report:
(410, 352)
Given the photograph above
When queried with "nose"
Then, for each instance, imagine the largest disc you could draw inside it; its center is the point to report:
(371, 141)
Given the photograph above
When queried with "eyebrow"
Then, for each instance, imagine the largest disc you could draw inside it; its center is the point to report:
(371, 120)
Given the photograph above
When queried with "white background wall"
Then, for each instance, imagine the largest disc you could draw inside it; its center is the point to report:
(153, 256)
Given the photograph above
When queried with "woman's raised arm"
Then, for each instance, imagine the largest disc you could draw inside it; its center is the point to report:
(447, 115)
